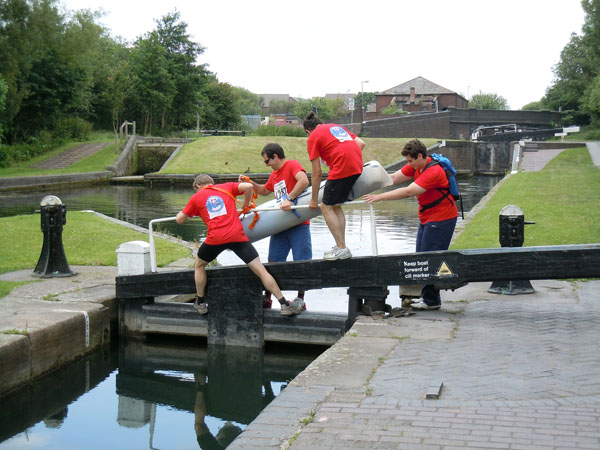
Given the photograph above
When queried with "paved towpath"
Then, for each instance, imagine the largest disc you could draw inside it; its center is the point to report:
(71, 156)
(517, 372)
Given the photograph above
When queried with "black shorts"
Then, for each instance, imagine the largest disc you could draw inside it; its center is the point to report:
(339, 191)
(245, 251)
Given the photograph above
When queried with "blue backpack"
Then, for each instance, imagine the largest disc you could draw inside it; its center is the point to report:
(452, 189)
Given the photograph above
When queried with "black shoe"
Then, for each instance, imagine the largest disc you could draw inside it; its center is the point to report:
(422, 306)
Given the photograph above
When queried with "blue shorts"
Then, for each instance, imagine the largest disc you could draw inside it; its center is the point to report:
(296, 239)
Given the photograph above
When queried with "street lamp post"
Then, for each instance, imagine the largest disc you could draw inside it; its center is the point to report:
(362, 100)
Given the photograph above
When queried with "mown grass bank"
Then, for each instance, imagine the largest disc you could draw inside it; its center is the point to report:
(88, 240)
(226, 154)
(94, 163)
(562, 199)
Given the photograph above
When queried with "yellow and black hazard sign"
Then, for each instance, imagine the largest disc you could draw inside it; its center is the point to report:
(444, 270)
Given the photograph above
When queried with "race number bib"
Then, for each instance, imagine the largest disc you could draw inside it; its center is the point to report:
(215, 206)
(340, 134)
(280, 191)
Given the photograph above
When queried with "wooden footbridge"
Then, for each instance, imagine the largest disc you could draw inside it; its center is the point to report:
(234, 294)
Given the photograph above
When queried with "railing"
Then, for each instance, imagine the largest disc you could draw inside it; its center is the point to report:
(259, 209)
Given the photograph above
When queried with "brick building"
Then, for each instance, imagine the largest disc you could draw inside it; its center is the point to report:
(419, 95)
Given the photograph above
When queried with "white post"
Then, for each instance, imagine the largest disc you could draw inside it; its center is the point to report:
(373, 231)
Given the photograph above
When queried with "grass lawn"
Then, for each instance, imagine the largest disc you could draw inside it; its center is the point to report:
(226, 154)
(88, 240)
(562, 199)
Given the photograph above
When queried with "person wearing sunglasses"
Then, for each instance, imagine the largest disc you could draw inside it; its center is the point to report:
(287, 181)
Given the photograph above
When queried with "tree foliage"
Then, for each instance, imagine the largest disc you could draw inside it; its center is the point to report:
(574, 89)
(365, 98)
(488, 101)
(248, 102)
(59, 66)
(326, 108)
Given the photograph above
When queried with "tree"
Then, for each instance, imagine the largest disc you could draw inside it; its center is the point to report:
(592, 101)
(488, 101)
(365, 98)
(189, 78)
(3, 89)
(326, 108)
(219, 109)
(534, 106)
(248, 103)
(577, 70)
(279, 107)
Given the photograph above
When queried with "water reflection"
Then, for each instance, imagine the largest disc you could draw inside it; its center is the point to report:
(168, 394)
(396, 221)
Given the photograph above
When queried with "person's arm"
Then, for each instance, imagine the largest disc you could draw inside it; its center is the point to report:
(316, 176)
(360, 142)
(301, 184)
(181, 218)
(398, 177)
(259, 188)
(412, 190)
(247, 190)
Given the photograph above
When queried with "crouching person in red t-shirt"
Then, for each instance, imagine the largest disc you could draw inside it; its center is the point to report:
(216, 206)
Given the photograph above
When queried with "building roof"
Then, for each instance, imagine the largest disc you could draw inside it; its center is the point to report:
(344, 96)
(421, 85)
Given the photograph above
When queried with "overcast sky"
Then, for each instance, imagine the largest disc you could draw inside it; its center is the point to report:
(281, 47)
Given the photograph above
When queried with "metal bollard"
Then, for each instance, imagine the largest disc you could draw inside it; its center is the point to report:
(512, 234)
(53, 262)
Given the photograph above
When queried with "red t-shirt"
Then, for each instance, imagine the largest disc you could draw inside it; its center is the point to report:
(336, 146)
(219, 212)
(283, 180)
(430, 179)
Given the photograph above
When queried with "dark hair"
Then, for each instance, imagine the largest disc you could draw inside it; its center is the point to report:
(414, 148)
(311, 121)
(203, 180)
(273, 149)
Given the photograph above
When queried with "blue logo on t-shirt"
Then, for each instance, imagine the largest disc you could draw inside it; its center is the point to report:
(340, 134)
(215, 206)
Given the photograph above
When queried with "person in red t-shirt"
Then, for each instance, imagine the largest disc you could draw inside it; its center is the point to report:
(217, 208)
(288, 180)
(341, 150)
(437, 218)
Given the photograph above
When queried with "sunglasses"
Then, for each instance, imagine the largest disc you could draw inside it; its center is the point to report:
(267, 161)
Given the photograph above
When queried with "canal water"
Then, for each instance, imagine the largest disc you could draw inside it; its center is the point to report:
(158, 395)
(176, 394)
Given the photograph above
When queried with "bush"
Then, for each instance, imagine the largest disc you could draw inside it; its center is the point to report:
(73, 128)
(279, 130)
(4, 158)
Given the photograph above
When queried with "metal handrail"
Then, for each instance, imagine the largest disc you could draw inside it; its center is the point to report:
(258, 209)
(151, 240)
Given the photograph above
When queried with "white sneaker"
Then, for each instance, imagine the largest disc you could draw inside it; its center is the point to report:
(330, 252)
(337, 253)
(291, 309)
(298, 304)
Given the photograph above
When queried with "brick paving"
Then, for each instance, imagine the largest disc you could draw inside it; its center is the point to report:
(71, 156)
(518, 372)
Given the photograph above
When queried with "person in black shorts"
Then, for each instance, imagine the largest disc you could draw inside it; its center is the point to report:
(341, 150)
(217, 207)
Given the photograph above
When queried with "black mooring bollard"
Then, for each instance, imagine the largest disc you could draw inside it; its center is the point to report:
(512, 234)
(53, 262)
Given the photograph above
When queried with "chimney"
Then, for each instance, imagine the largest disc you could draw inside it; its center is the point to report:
(412, 95)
